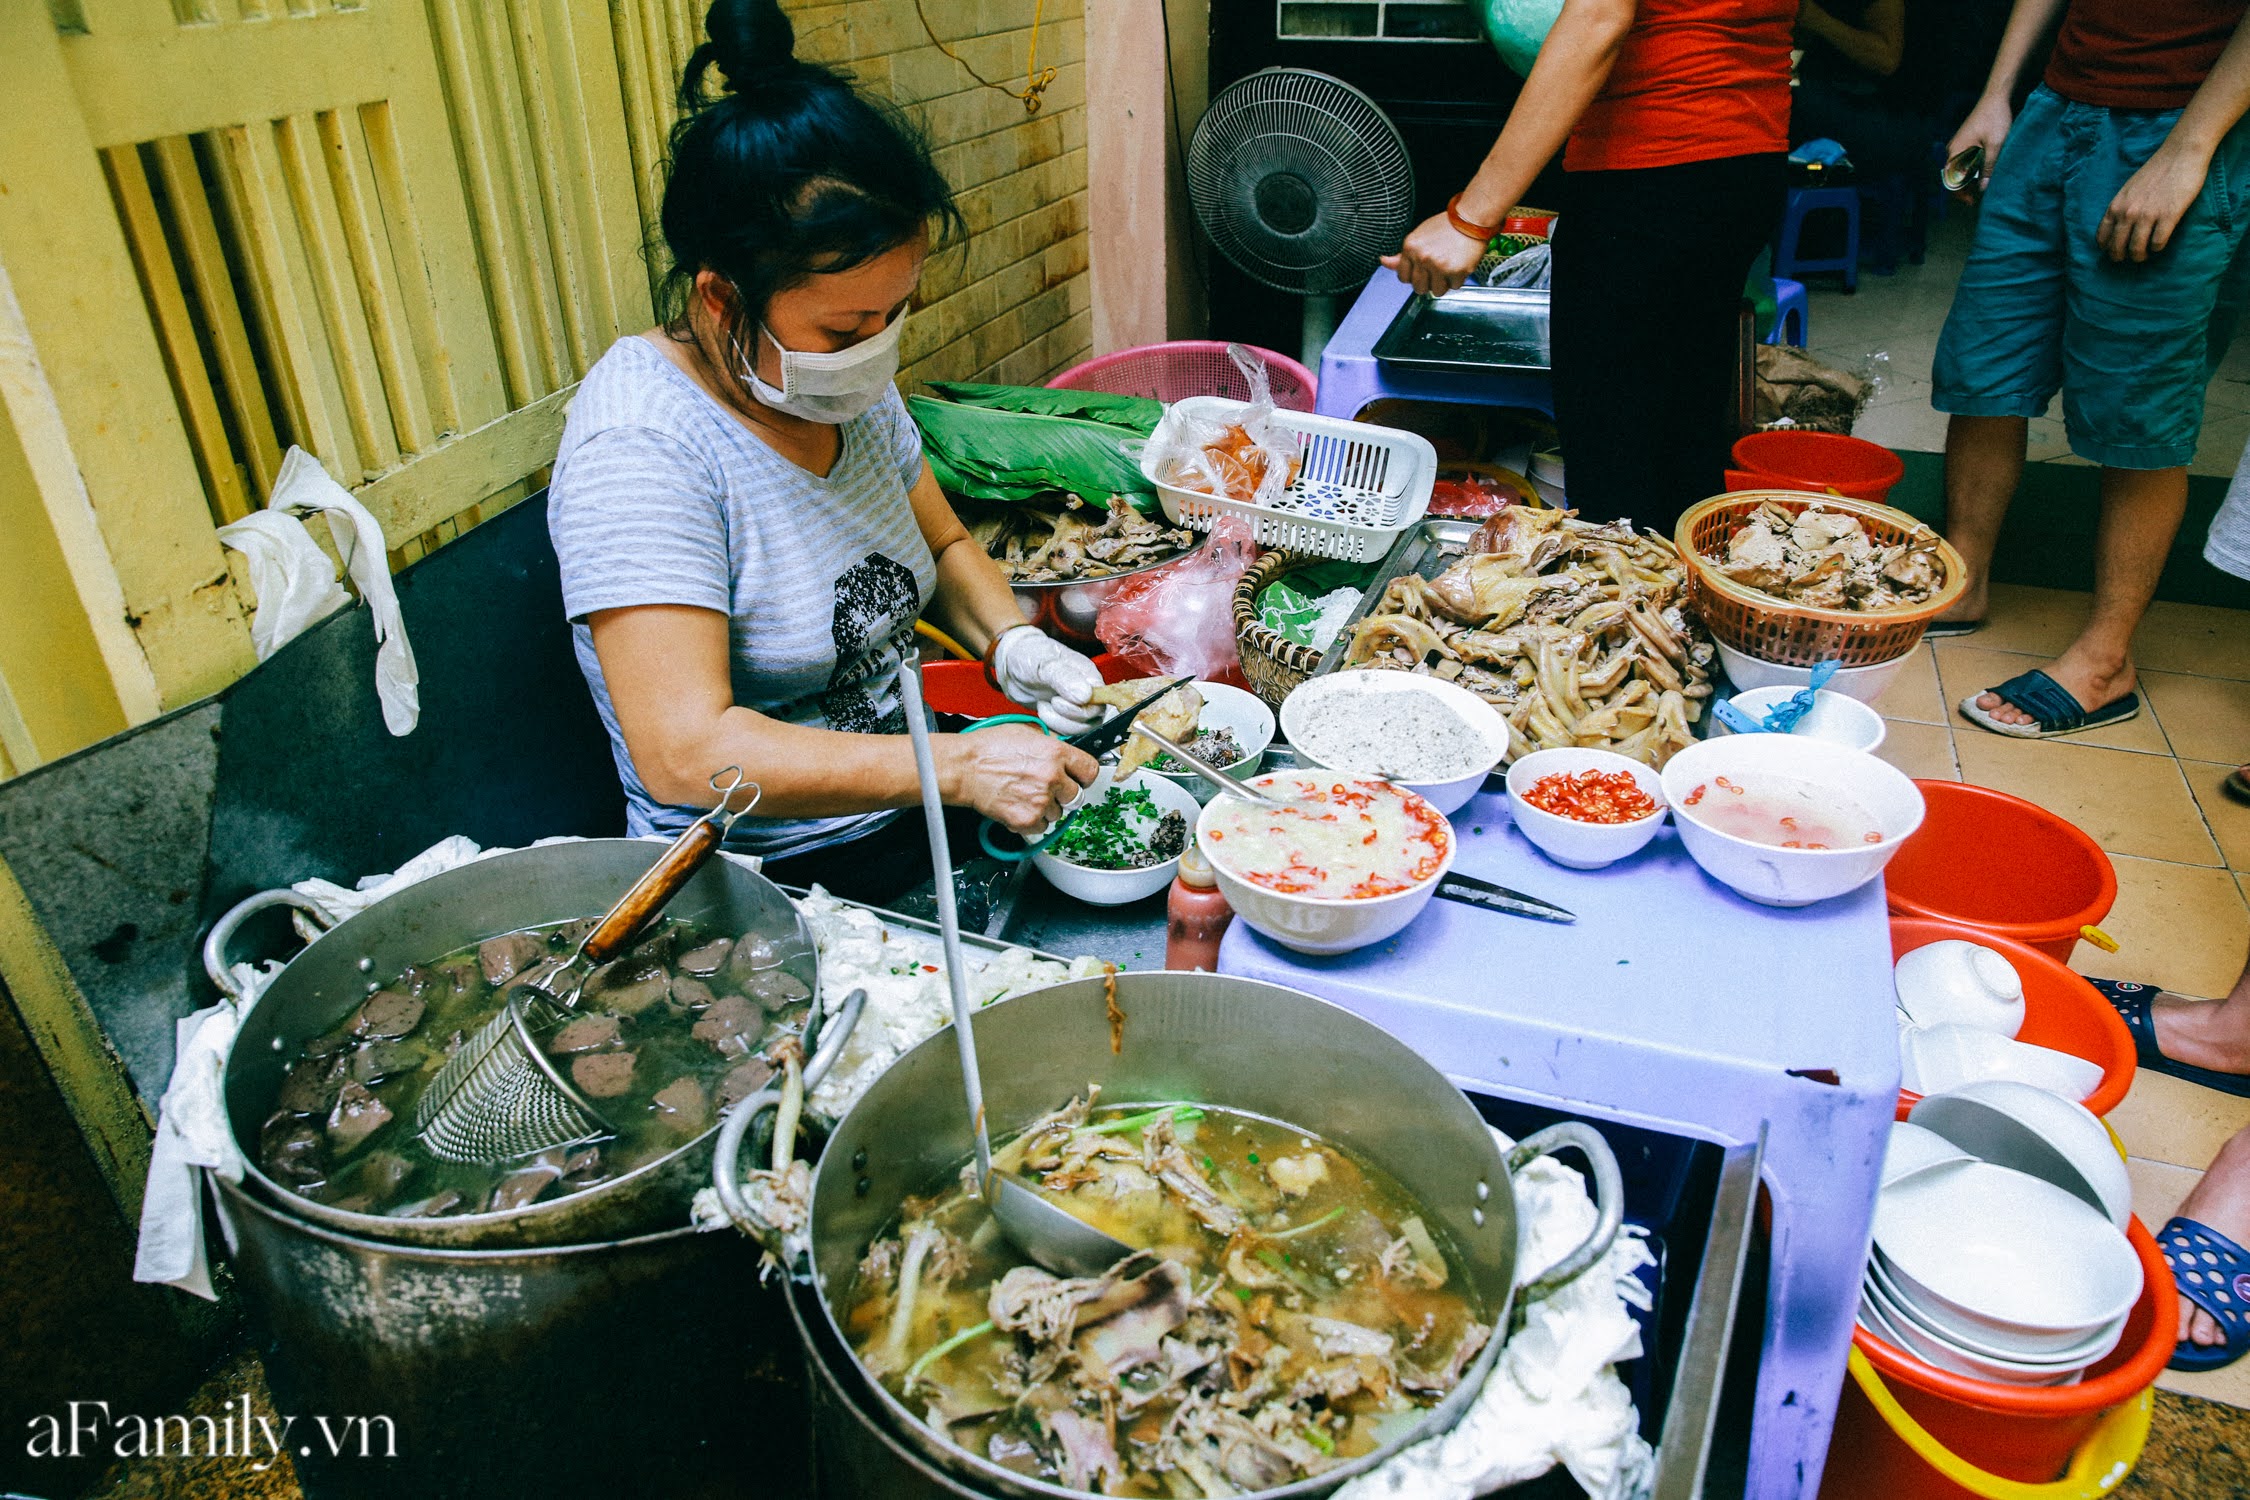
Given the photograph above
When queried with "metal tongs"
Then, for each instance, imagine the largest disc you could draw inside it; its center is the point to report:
(500, 1097)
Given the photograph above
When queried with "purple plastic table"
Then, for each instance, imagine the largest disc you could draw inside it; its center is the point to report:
(1351, 376)
(1674, 1004)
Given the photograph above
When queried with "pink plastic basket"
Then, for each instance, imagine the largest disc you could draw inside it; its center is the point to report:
(1188, 367)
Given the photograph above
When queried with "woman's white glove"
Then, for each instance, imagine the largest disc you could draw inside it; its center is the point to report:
(1032, 667)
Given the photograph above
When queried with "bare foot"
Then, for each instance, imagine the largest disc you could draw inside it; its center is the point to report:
(2222, 1201)
(1970, 606)
(2094, 683)
(2212, 1034)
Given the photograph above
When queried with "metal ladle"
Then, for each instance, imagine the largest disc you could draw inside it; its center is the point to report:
(1048, 1233)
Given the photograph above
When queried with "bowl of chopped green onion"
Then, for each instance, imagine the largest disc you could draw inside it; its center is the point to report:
(1122, 841)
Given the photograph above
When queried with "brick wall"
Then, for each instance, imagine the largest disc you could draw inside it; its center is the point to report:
(1011, 302)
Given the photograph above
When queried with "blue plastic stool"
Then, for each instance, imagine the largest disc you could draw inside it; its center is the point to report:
(1802, 204)
(1792, 313)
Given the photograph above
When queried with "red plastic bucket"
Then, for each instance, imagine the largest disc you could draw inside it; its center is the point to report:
(1819, 461)
(2002, 865)
(2026, 1434)
(2060, 1009)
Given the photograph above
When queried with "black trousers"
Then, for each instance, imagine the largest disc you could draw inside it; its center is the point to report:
(1648, 272)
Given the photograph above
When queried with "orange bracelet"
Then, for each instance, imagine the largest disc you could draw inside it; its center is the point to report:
(1483, 234)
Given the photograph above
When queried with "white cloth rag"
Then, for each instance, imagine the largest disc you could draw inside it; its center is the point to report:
(1554, 1396)
(192, 1132)
(296, 583)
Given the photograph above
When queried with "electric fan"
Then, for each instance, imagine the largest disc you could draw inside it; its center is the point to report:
(1304, 184)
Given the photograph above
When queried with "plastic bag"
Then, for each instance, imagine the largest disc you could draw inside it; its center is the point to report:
(1252, 459)
(297, 583)
(1178, 620)
(1518, 28)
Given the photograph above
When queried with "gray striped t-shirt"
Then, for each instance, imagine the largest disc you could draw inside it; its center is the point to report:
(662, 496)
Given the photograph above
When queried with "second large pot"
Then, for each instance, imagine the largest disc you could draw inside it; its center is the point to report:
(1235, 1043)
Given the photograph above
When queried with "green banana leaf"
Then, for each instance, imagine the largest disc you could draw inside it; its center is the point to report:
(1136, 414)
(985, 453)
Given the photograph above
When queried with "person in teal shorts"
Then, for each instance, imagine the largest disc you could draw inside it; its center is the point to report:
(2112, 207)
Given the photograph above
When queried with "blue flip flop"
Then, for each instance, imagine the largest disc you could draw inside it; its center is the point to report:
(2054, 712)
(2213, 1272)
(2132, 1001)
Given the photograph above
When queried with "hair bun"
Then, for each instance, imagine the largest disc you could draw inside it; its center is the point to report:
(749, 39)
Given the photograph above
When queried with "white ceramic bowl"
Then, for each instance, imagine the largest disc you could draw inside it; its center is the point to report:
(1318, 924)
(1934, 1059)
(1227, 707)
(1959, 983)
(1566, 841)
(2025, 1266)
(1913, 1148)
(1304, 704)
(2033, 1130)
(1899, 1311)
(1836, 717)
(1905, 1334)
(1791, 877)
(1864, 683)
(1116, 887)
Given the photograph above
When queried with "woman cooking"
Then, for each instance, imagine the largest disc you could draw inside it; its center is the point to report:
(746, 525)
(1676, 118)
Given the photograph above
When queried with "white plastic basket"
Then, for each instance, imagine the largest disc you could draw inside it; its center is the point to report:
(1359, 487)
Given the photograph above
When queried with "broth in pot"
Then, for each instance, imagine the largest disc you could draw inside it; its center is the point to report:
(1292, 1310)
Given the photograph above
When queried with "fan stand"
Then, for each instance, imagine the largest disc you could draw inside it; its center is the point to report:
(1322, 314)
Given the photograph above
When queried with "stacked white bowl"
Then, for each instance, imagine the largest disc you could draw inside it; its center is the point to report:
(2000, 1251)
(1960, 1005)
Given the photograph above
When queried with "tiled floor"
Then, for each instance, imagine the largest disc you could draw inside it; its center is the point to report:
(2149, 791)
(1889, 327)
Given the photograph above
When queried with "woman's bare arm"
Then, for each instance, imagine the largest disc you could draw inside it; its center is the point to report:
(973, 602)
(666, 666)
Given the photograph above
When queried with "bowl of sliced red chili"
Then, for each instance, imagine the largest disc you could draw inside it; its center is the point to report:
(1585, 808)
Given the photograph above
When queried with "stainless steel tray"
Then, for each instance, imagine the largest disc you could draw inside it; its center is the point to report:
(1428, 547)
(1473, 330)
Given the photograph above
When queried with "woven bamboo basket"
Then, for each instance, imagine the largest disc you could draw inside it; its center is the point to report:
(1759, 624)
(1274, 666)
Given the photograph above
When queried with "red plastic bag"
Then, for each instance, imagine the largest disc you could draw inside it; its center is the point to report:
(1178, 620)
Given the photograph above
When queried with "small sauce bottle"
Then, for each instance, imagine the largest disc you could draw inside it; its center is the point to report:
(1196, 915)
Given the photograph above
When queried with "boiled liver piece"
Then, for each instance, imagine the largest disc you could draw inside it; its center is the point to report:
(629, 985)
(393, 1013)
(681, 1106)
(503, 957)
(748, 1076)
(707, 960)
(586, 1034)
(731, 1025)
(357, 1115)
(603, 1075)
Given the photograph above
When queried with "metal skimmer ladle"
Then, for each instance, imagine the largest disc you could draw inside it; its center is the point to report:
(1051, 1235)
(501, 1098)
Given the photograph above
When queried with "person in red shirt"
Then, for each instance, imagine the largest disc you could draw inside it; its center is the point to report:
(2113, 207)
(1676, 118)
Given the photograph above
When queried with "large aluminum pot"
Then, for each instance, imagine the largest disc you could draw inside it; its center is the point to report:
(1236, 1043)
(525, 888)
(592, 1370)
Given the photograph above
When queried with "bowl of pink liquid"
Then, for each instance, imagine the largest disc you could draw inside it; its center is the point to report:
(1788, 821)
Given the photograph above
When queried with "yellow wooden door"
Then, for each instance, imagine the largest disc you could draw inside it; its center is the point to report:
(394, 232)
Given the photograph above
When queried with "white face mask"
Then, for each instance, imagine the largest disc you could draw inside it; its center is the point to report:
(831, 388)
